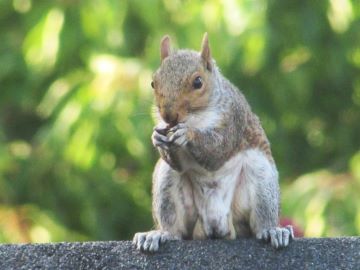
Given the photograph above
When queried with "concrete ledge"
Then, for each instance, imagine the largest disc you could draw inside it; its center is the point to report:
(310, 253)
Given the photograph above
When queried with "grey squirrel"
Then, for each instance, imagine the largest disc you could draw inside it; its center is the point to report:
(216, 177)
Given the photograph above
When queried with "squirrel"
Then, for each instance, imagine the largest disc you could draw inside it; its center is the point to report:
(216, 178)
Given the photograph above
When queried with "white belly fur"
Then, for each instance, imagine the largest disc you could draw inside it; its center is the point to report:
(232, 186)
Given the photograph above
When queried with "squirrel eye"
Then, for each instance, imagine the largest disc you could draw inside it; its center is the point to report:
(152, 85)
(197, 83)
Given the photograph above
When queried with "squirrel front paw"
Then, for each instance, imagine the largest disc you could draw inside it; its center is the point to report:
(179, 135)
(165, 138)
(150, 241)
(159, 138)
(278, 237)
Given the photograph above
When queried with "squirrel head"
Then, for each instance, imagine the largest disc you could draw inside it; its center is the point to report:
(182, 84)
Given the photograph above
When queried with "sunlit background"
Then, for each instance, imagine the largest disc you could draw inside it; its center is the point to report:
(76, 115)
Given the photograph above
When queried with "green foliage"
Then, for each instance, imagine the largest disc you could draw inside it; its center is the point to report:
(76, 115)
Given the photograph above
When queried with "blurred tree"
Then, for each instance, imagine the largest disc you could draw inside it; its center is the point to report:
(75, 107)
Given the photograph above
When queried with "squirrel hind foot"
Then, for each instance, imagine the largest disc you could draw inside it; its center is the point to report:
(150, 241)
(278, 237)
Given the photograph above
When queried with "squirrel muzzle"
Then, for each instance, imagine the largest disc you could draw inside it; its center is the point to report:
(170, 117)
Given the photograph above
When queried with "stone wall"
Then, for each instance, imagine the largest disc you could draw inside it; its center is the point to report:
(305, 253)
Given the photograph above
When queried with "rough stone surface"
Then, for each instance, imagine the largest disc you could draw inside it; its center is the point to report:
(306, 253)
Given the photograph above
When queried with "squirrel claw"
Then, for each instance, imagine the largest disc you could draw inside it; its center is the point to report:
(179, 138)
(161, 130)
(150, 241)
(179, 135)
(278, 237)
(160, 140)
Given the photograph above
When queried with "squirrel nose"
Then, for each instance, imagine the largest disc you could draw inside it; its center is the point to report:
(170, 118)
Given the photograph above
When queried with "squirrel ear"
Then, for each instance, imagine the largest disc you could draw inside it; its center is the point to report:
(164, 47)
(205, 52)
